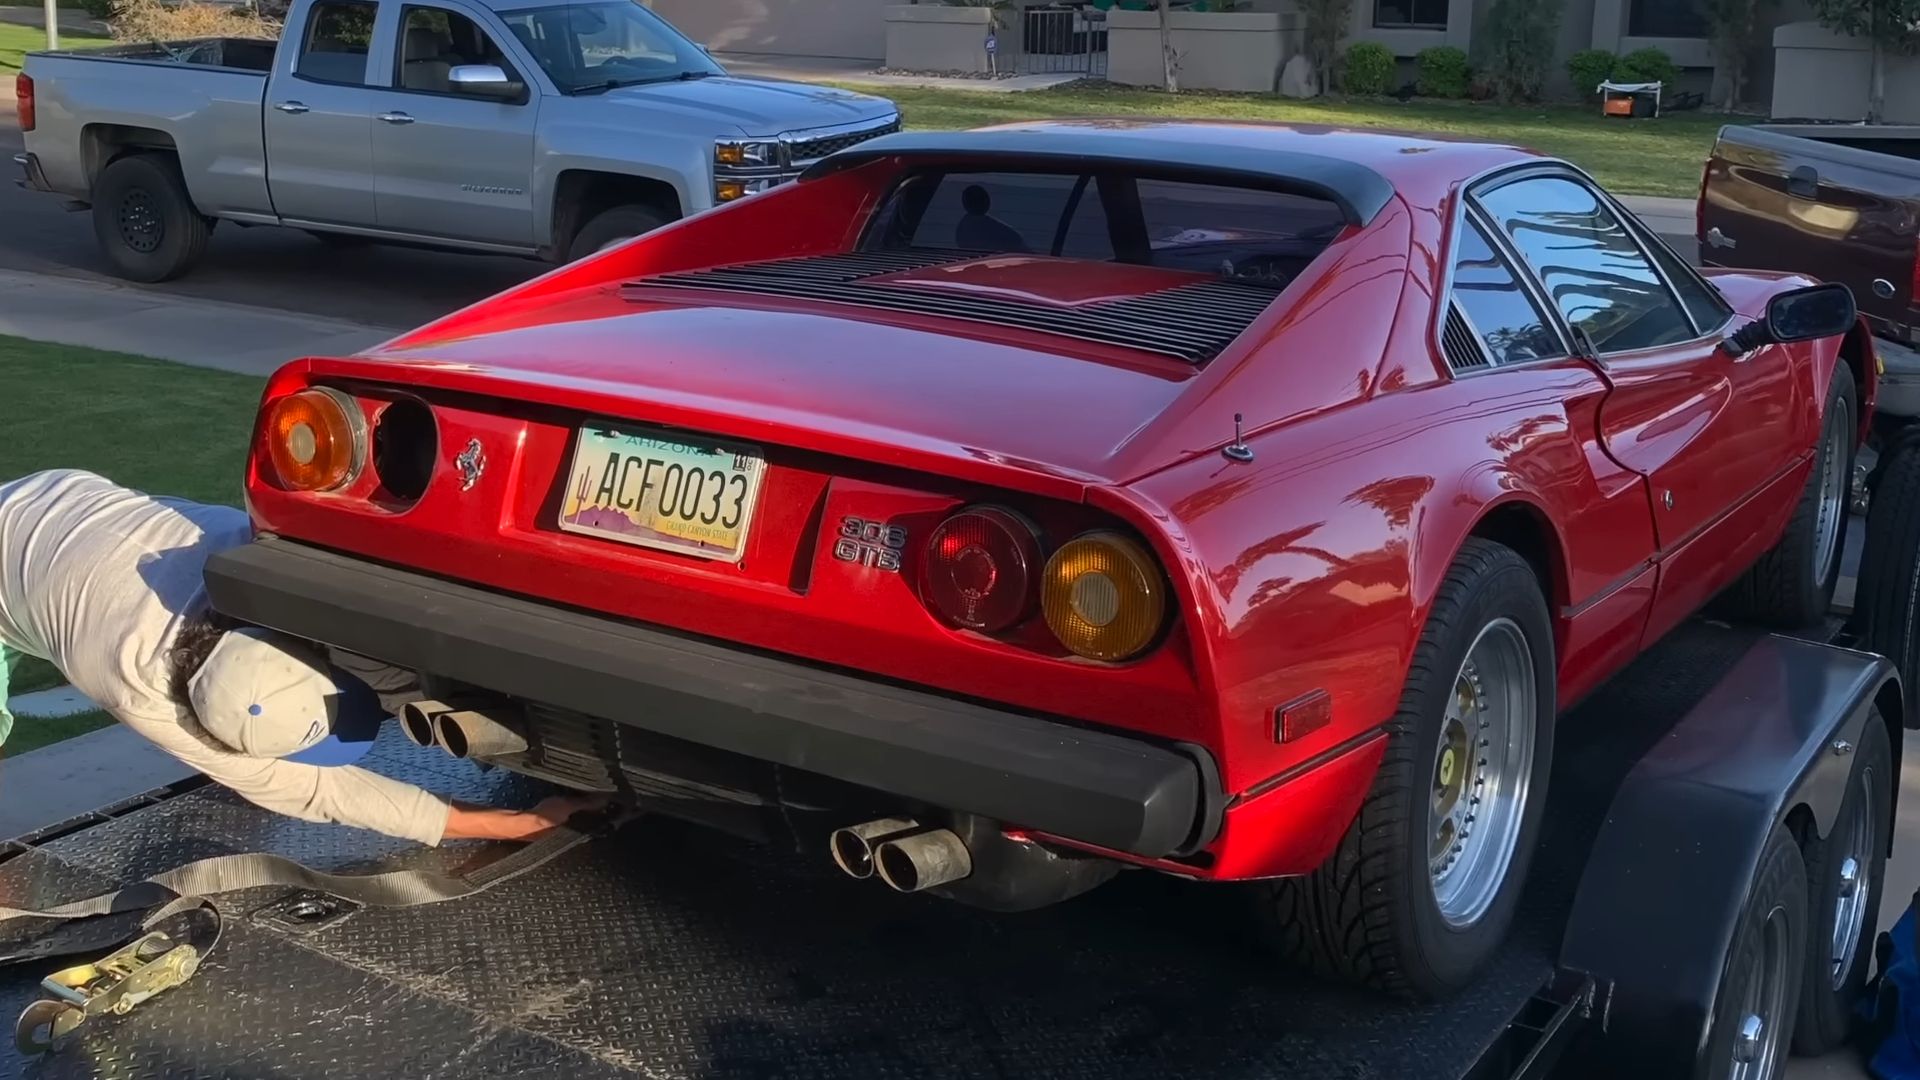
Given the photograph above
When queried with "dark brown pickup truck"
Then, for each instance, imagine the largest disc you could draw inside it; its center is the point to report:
(1840, 202)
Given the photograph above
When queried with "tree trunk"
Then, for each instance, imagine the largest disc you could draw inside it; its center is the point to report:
(1877, 85)
(1168, 58)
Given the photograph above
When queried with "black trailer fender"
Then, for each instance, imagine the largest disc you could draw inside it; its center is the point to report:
(1670, 871)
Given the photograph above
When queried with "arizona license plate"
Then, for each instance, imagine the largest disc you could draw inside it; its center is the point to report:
(663, 489)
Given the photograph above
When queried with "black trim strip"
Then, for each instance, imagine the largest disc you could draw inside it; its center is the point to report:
(1307, 766)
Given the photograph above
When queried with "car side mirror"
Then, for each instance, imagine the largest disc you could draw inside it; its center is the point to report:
(484, 80)
(1816, 311)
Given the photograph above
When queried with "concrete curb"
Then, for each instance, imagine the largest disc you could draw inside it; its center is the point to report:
(69, 778)
(187, 330)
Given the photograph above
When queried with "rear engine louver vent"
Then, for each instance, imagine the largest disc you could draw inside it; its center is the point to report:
(1193, 323)
(1462, 348)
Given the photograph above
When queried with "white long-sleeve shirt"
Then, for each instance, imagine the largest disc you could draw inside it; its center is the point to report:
(99, 579)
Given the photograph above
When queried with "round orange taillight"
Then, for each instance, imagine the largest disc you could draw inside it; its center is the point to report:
(316, 439)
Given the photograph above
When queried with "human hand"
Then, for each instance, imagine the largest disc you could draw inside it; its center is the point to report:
(488, 823)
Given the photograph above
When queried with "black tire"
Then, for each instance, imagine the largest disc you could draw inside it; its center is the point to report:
(144, 219)
(1785, 589)
(1370, 914)
(1779, 887)
(611, 227)
(1887, 598)
(1826, 1010)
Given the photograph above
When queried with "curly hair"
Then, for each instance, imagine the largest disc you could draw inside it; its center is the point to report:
(191, 647)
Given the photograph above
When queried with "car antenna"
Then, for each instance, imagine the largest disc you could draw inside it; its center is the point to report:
(1237, 450)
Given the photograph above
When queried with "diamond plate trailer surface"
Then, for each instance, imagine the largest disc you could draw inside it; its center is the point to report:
(668, 951)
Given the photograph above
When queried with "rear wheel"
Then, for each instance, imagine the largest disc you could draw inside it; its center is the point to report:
(1423, 885)
(1753, 1011)
(145, 220)
(1791, 586)
(1844, 873)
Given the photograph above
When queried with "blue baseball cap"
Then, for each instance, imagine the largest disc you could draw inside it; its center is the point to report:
(269, 695)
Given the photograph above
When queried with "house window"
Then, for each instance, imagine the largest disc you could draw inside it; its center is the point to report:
(1410, 14)
(1665, 18)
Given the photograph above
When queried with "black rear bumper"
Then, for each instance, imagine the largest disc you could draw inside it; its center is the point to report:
(1111, 790)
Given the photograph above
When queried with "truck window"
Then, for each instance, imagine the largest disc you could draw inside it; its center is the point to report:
(434, 41)
(1509, 323)
(1593, 270)
(334, 48)
(1186, 225)
(589, 47)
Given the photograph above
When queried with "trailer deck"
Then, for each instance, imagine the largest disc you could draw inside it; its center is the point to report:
(670, 951)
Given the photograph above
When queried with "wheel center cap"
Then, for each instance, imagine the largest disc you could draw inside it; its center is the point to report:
(1448, 762)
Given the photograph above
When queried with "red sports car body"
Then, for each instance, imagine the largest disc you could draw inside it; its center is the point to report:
(1282, 416)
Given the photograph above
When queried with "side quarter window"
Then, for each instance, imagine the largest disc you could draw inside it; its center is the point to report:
(1589, 263)
(1503, 315)
(334, 47)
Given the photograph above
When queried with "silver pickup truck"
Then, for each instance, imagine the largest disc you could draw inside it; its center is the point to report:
(533, 127)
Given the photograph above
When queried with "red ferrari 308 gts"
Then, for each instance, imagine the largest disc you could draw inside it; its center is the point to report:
(1001, 509)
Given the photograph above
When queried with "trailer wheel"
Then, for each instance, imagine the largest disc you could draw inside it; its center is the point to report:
(1845, 872)
(1423, 885)
(145, 220)
(1887, 597)
(1792, 584)
(1758, 996)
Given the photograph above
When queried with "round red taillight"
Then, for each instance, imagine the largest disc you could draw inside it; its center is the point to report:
(978, 570)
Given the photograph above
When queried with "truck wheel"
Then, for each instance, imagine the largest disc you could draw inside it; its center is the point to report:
(1423, 885)
(1792, 584)
(1760, 984)
(1887, 597)
(1845, 872)
(610, 227)
(144, 219)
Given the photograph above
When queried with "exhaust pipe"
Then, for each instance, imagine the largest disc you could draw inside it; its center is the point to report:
(923, 860)
(470, 733)
(416, 720)
(853, 845)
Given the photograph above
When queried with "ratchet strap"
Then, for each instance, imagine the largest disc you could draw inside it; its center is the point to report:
(113, 917)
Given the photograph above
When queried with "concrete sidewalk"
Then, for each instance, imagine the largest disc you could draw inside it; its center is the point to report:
(148, 322)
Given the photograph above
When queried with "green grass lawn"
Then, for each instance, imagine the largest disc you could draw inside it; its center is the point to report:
(16, 41)
(159, 427)
(1645, 157)
(148, 424)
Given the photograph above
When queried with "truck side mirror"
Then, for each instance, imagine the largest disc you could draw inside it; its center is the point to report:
(484, 80)
(1816, 311)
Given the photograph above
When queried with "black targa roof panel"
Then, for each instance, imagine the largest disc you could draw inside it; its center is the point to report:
(1359, 192)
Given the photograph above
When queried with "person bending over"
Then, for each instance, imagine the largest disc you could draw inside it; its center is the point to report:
(106, 584)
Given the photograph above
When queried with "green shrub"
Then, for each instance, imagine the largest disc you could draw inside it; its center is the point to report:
(1647, 65)
(1441, 71)
(1588, 68)
(1367, 68)
(99, 9)
(1516, 45)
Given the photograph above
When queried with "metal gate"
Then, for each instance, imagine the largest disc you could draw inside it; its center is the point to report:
(1063, 41)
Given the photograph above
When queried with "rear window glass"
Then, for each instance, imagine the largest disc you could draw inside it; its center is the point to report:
(1215, 228)
(335, 48)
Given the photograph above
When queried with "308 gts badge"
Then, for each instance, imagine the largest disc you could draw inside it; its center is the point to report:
(872, 544)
